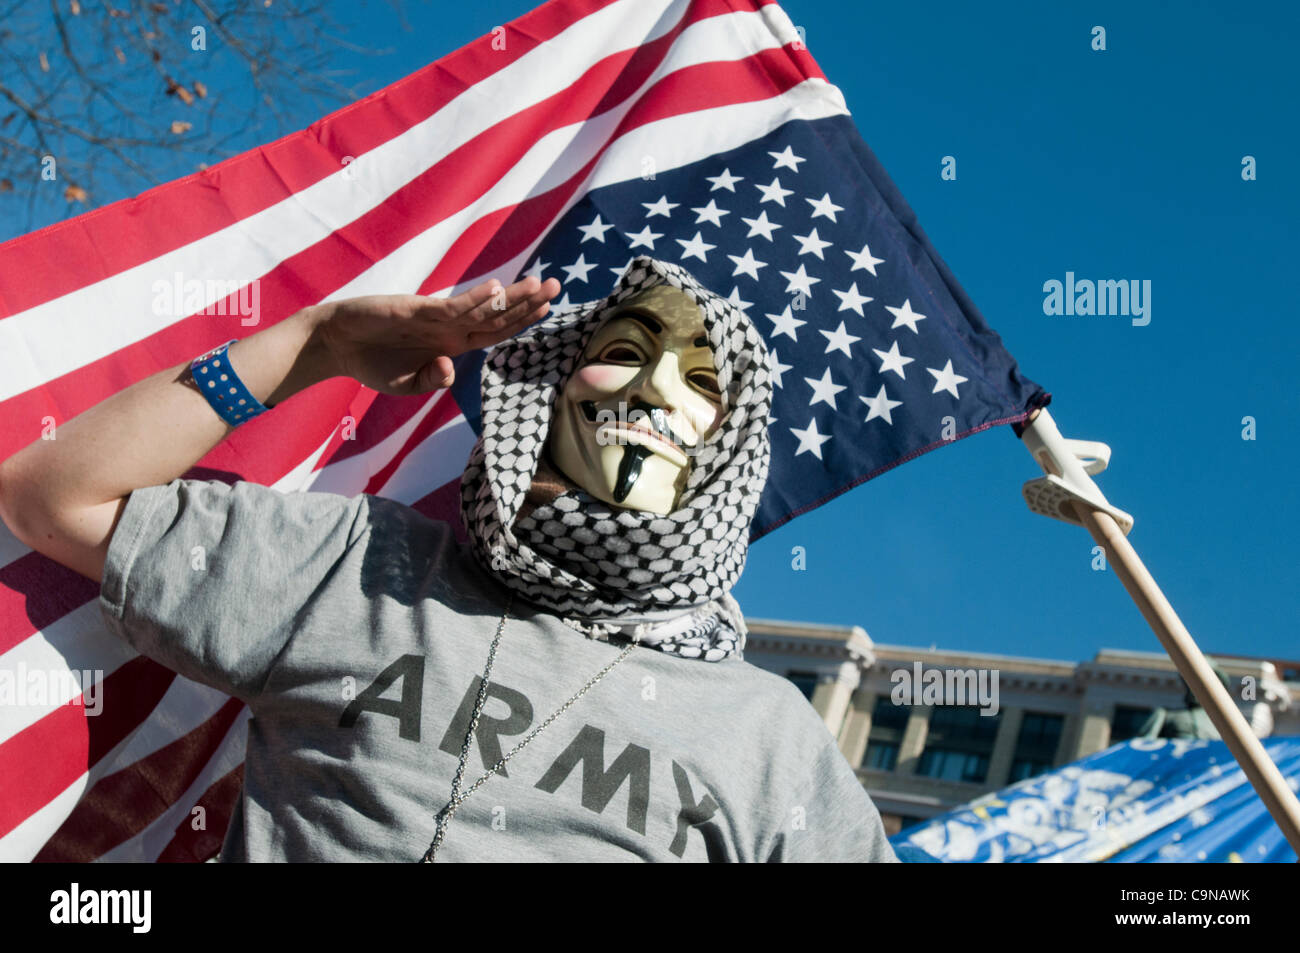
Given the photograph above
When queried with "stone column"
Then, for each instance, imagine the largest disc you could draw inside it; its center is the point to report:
(1094, 731)
(1004, 746)
(1069, 738)
(831, 696)
(857, 727)
(909, 751)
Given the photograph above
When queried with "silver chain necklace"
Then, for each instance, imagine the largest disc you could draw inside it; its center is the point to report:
(458, 798)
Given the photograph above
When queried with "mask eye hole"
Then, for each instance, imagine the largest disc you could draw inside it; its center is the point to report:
(705, 381)
(620, 352)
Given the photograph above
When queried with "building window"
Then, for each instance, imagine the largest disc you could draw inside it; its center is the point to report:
(888, 715)
(881, 756)
(949, 765)
(888, 722)
(804, 681)
(1023, 768)
(1036, 745)
(1127, 722)
(958, 744)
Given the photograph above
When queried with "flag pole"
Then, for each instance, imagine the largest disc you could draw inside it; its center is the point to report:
(1067, 493)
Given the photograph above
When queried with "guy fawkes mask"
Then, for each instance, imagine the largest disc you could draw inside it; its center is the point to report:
(641, 400)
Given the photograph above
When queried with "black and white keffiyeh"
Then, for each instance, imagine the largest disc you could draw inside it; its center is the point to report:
(606, 569)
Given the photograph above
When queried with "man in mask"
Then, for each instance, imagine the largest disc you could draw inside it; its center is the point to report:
(653, 422)
(568, 684)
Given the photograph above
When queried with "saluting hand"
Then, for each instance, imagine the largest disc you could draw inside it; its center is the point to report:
(404, 344)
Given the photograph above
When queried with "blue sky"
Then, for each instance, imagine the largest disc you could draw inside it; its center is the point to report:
(1122, 164)
(1117, 164)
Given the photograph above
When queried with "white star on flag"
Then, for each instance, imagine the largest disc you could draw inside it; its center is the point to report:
(777, 367)
(536, 268)
(947, 380)
(737, 300)
(809, 439)
(662, 207)
(595, 230)
(785, 323)
(644, 238)
(880, 406)
(695, 248)
(824, 206)
(786, 160)
(725, 181)
(891, 360)
(839, 340)
(810, 244)
(852, 301)
(864, 259)
(578, 270)
(905, 316)
(824, 390)
(760, 226)
(774, 193)
(800, 281)
(710, 213)
(747, 264)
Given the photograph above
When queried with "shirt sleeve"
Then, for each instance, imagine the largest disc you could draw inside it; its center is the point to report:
(207, 578)
(832, 819)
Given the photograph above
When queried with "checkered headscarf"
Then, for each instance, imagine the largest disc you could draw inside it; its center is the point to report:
(603, 568)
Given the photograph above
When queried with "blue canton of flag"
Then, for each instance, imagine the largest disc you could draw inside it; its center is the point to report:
(879, 355)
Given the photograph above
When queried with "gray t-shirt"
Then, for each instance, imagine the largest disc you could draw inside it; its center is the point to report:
(357, 631)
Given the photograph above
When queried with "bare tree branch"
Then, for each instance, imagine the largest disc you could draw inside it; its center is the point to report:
(119, 95)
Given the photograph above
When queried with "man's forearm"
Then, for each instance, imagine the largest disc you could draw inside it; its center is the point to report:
(156, 429)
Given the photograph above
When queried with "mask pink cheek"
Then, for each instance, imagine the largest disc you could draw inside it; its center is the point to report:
(605, 377)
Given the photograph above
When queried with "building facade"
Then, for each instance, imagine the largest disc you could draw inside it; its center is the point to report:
(971, 722)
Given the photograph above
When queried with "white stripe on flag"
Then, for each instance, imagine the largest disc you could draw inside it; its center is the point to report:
(350, 475)
(438, 460)
(78, 643)
(59, 336)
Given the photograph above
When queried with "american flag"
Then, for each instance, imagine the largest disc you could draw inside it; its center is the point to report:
(577, 137)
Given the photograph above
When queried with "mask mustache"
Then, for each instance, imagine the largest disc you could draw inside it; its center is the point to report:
(634, 455)
(656, 417)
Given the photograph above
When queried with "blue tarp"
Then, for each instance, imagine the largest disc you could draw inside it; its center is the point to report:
(1157, 800)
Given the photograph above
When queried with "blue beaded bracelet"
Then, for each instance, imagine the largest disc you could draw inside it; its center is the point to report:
(219, 383)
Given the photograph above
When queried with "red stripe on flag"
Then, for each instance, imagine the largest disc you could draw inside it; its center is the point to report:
(124, 803)
(35, 591)
(131, 232)
(52, 753)
(444, 504)
(194, 845)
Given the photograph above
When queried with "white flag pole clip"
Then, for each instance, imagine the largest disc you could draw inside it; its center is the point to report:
(1069, 465)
